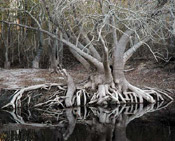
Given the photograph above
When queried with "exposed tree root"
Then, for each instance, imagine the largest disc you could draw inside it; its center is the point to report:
(16, 98)
(71, 95)
(108, 94)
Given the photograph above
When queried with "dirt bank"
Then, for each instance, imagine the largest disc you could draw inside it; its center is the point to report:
(143, 74)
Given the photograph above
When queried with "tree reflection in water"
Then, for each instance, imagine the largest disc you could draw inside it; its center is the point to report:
(80, 123)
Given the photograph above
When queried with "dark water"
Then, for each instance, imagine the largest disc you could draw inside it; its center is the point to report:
(119, 123)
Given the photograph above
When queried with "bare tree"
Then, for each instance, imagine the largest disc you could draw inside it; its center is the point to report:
(86, 25)
(98, 34)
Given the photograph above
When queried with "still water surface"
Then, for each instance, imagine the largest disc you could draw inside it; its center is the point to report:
(119, 123)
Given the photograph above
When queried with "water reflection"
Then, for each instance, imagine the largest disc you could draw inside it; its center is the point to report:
(73, 124)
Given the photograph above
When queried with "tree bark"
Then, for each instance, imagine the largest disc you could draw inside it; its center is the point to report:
(118, 62)
(70, 91)
(6, 44)
(35, 63)
(133, 49)
(83, 61)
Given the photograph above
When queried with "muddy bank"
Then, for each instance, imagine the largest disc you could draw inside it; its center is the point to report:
(142, 74)
(152, 75)
(18, 78)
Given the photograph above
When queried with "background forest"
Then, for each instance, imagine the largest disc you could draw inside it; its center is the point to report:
(26, 48)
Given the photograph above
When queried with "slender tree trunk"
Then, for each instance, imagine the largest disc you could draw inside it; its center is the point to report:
(80, 59)
(7, 62)
(36, 60)
(56, 55)
(54, 62)
(60, 51)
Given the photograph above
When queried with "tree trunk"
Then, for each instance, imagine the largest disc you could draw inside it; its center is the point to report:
(6, 44)
(60, 51)
(53, 56)
(118, 62)
(56, 54)
(70, 91)
(35, 63)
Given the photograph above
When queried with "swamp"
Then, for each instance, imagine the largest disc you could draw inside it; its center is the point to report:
(87, 70)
